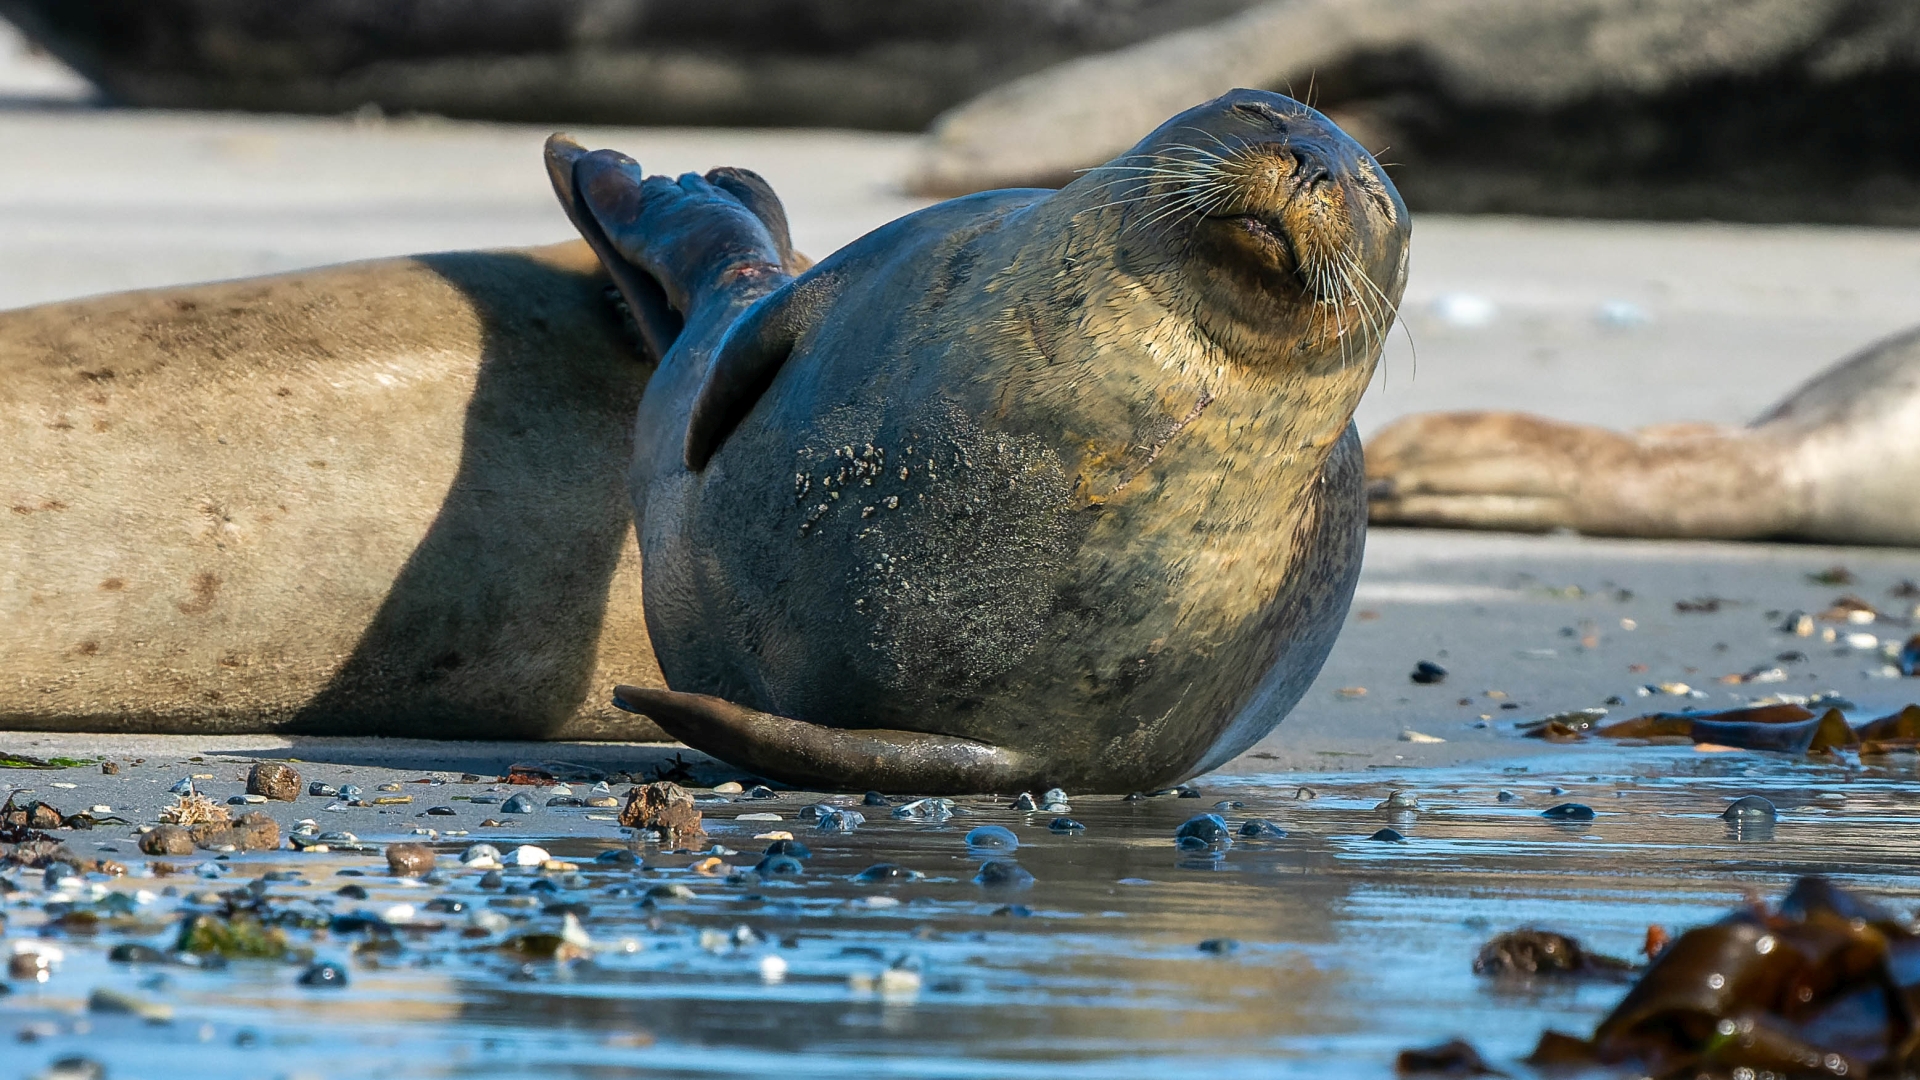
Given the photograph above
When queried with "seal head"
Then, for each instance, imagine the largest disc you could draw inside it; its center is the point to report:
(1030, 487)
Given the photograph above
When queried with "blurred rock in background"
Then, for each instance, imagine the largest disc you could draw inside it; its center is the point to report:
(1756, 110)
(1743, 110)
(888, 64)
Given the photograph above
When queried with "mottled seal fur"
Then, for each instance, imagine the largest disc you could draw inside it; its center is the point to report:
(384, 498)
(1838, 461)
(1031, 487)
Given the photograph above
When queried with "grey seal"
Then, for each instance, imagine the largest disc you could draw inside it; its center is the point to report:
(1027, 488)
(1837, 461)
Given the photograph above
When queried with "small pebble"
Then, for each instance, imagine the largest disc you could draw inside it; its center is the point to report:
(1187, 792)
(874, 798)
(617, 857)
(762, 791)
(1507, 796)
(410, 860)
(779, 866)
(527, 855)
(1388, 836)
(1220, 946)
(887, 872)
(791, 847)
(1229, 804)
(493, 879)
(839, 820)
(1015, 911)
(1002, 874)
(731, 787)
(519, 804)
(351, 891)
(325, 974)
(993, 837)
(440, 811)
(349, 792)
(1262, 829)
(1428, 673)
(1568, 811)
(1750, 808)
(1201, 832)
(1065, 825)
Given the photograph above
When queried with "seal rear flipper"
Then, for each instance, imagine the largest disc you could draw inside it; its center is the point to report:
(656, 320)
(808, 755)
(757, 195)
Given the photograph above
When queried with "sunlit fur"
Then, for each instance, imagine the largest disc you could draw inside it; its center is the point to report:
(1307, 218)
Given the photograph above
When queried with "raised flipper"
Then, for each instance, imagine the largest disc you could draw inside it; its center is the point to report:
(658, 323)
(808, 755)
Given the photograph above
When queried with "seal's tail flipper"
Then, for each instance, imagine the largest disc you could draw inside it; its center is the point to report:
(808, 755)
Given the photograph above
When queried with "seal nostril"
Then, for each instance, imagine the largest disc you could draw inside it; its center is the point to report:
(1308, 171)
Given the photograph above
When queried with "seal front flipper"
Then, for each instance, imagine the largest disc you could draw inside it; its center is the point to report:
(748, 358)
(808, 755)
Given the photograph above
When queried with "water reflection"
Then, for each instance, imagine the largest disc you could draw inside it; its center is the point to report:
(1343, 949)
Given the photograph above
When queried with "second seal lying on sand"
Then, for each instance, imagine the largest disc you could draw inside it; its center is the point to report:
(1838, 461)
(1029, 487)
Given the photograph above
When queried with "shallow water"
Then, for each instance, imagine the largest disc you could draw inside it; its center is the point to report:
(1349, 949)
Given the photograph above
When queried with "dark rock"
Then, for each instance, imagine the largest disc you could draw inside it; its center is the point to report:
(1456, 1057)
(1568, 811)
(1750, 808)
(351, 891)
(874, 798)
(1024, 803)
(493, 879)
(133, 953)
(441, 811)
(1428, 673)
(1202, 831)
(167, 840)
(838, 820)
(320, 790)
(566, 800)
(1003, 874)
(779, 866)
(886, 873)
(1187, 791)
(1065, 825)
(275, 780)
(1541, 952)
(1014, 911)
(617, 857)
(519, 804)
(410, 860)
(762, 791)
(993, 837)
(1507, 796)
(1261, 829)
(1388, 836)
(1220, 946)
(794, 848)
(325, 975)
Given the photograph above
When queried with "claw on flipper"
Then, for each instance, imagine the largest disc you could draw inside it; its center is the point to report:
(809, 755)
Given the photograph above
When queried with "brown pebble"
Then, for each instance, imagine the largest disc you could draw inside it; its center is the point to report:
(664, 806)
(253, 832)
(42, 816)
(275, 780)
(410, 860)
(109, 768)
(168, 840)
